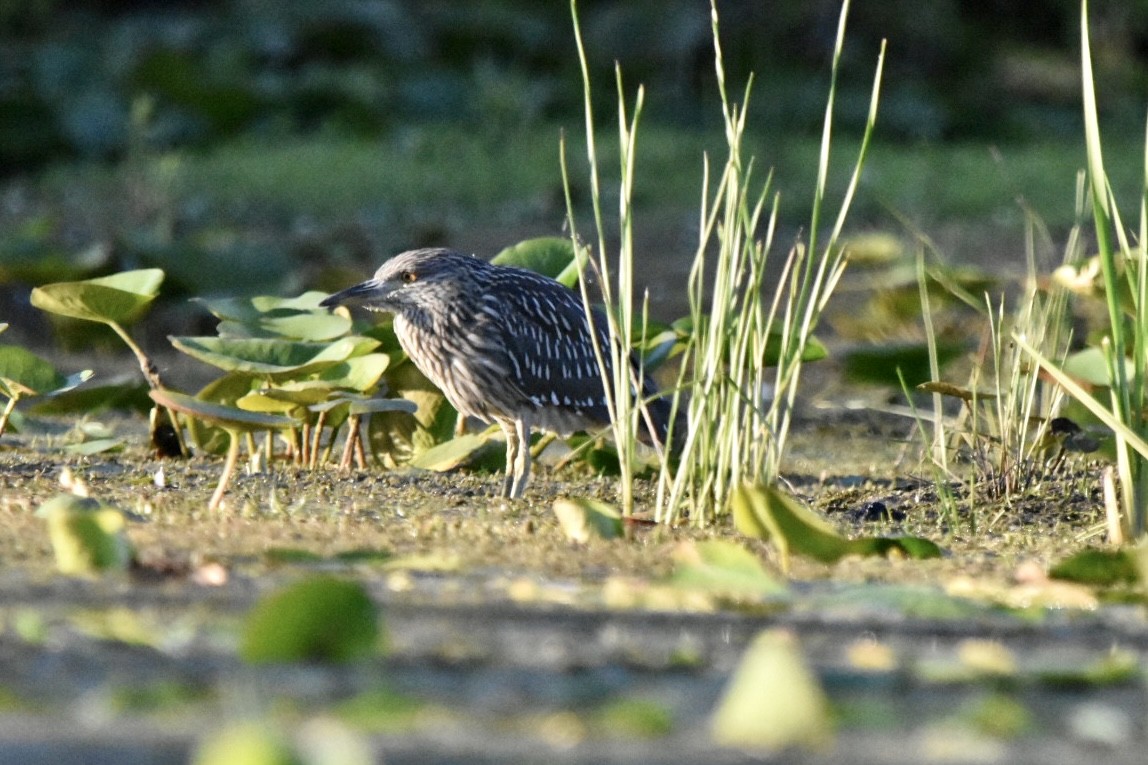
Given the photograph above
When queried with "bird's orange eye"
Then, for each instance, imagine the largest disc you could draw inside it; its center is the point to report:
(408, 276)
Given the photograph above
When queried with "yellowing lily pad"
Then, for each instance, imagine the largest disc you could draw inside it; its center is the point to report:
(583, 519)
(773, 701)
(219, 414)
(88, 537)
(120, 298)
(722, 567)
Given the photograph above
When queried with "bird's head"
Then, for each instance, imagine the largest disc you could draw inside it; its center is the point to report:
(410, 280)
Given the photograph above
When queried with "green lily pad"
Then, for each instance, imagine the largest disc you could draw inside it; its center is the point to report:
(23, 373)
(551, 256)
(763, 512)
(680, 330)
(311, 327)
(88, 537)
(320, 618)
(397, 436)
(1098, 567)
(297, 318)
(1089, 365)
(126, 392)
(360, 373)
(814, 349)
(583, 519)
(630, 718)
(244, 309)
(95, 446)
(218, 414)
(380, 710)
(373, 405)
(267, 356)
(773, 700)
(120, 298)
(877, 248)
(879, 364)
(453, 454)
(724, 568)
(279, 402)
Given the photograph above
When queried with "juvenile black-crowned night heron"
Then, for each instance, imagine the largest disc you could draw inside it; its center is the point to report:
(505, 345)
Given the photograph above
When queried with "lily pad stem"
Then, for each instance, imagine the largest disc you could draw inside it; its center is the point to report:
(228, 469)
(151, 374)
(7, 413)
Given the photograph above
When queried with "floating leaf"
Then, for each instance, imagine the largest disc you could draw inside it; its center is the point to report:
(218, 414)
(95, 446)
(583, 519)
(766, 513)
(916, 548)
(249, 743)
(635, 719)
(87, 536)
(1097, 567)
(374, 405)
(723, 567)
(298, 318)
(361, 373)
(875, 248)
(23, 373)
(119, 298)
(763, 512)
(271, 357)
(127, 392)
(879, 364)
(397, 436)
(274, 401)
(773, 700)
(551, 256)
(1090, 366)
(320, 618)
(314, 326)
(455, 453)
(668, 342)
(380, 710)
(814, 349)
(251, 309)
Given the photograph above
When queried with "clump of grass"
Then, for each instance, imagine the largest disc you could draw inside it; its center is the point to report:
(1020, 407)
(1125, 346)
(739, 410)
(616, 281)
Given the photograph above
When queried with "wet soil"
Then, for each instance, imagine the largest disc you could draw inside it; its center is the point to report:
(508, 643)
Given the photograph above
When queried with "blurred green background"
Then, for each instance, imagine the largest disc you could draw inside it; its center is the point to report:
(251, 146)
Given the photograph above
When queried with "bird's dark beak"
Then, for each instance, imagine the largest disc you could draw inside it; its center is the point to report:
(367, 289)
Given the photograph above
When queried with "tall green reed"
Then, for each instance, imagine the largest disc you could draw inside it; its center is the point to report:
(1125, 279)
(739, 410)
(615, 279)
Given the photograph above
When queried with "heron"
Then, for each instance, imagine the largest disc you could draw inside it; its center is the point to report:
(504, 344)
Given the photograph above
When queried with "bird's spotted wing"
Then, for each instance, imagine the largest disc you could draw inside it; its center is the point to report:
(551, 359)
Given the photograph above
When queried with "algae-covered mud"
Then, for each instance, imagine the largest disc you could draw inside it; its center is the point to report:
(500, 640)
